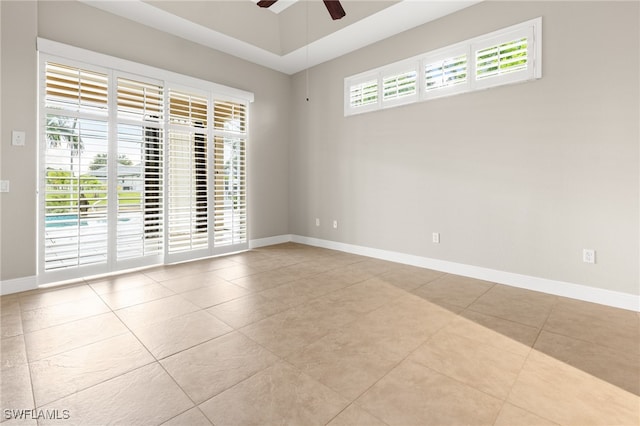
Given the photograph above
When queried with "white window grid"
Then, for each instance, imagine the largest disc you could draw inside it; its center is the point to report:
(448, 59)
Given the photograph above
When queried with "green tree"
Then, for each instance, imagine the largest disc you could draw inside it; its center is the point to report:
(64, 131)
(63, 196)
(100, 160)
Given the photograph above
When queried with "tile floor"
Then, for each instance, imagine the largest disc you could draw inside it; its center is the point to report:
(297, 335)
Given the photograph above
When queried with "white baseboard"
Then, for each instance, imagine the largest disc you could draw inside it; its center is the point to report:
(270, 241)
(17, 285)
(559, 288)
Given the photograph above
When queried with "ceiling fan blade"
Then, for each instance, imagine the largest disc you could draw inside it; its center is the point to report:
(266, 3)
(335, 9)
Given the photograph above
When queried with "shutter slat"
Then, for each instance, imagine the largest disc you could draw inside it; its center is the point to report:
(502, 59)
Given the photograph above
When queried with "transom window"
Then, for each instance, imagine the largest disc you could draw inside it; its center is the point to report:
(502, 57)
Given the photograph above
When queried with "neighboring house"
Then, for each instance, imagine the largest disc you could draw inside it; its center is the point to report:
(129, 177)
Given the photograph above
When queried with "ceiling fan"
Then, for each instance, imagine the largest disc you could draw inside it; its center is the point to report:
(333, 6)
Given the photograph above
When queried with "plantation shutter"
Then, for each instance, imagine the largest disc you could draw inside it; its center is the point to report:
(137, 166)
(230, 197)
(508, 56)
(445, 73)
(139, 169)
(400, 85)
(188, 226)
(362, 94)
(75, 131)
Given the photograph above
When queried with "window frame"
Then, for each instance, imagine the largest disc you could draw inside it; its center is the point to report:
(441, 55)
(116, 68)
(396, 70)
(361, 79)
(531, 29)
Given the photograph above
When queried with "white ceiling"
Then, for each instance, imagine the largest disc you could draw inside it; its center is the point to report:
(292, 40)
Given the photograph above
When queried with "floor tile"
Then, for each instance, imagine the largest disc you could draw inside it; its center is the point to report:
(453, 290)
(192, 282)
(346, 364)
(515, 304)
(215, 263)
(264, 280)
(355, 416)
(487, 368)
(618, 368)
(365, 296)
(15, 388)
(616, 328)
(410, 277)
(211, 367)
(565, 395)
(349, 274)
(42, 299)
(510, 415)
(500, 333)
(280, 394)
(344, 276)
(9, 305)
(69, 372)
(215, 294)
(250, 257)
(144, 396)
(192, 417)
(135, 296)
(11, 325)
(268, 263)
(246, 310)
(234, 272)
(167, 272)
(295, 328)
(62, 313)
(62, 338)
(179, 333)
(156, 311)
(18, 419)
(403, 324)
(415, 395)
(292, 293)
(315, 329)
(375, 266)
(122, 282)
(12, 352)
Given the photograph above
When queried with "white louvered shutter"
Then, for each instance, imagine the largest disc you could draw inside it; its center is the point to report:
(363, 94)
(397, 86)
(230, 195)
(139, 169)
(445, 73)
(188, 205)
(509, 56)
(75, 198)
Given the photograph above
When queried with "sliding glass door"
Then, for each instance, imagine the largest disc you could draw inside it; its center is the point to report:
(136, 172)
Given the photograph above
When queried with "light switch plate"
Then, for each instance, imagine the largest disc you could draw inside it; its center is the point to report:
(18, 137)
(4, 186)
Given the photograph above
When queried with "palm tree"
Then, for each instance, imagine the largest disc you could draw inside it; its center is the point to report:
(63, 130)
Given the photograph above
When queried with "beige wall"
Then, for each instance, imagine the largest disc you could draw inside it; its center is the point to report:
(19, 106)
(83, 26)
(518, 178)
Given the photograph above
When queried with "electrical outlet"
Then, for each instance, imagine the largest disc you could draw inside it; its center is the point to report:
(18, 137)
(335, 224)
(435, 237)
(4, 186)
(317, 221)
(589, 256)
